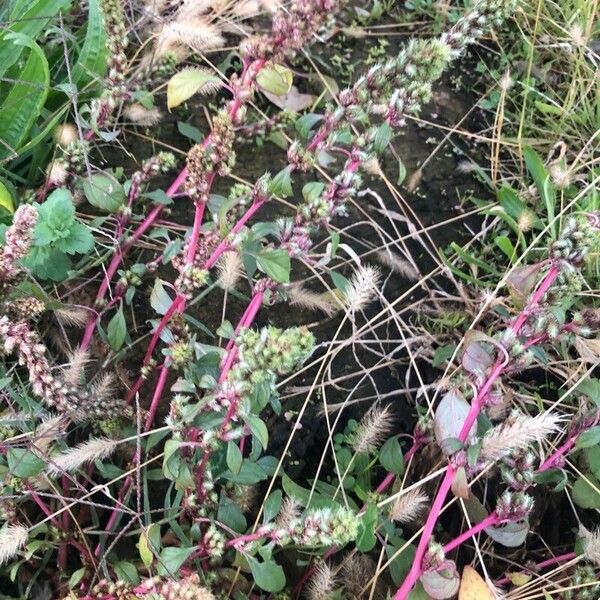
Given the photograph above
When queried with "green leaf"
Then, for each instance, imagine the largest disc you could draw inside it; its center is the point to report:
(6, 200)
(30, 18)
(312, 190)
(149, 543)
(305, 123)
(383, 136)
(183, 85)
(275, 264)
(23, 463)
(272, 505)
(127, 572)
(281, 184)
(189, 131)
(275, 79)
(588, 438)
(506, 246)
(91, 61)
(117, 330)
(79, 241)
(26, 97)
(159, 299)
(586, 491)
(104, 192)
(267, 575)
(390, 456)
(366, 539)
(76, 577)
(234, 457)
(258, 429)
(171, 559)
(544, 185)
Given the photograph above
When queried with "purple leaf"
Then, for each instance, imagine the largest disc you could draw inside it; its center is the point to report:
(442, 582)
(449, 419)
(522, 280)
(511, 534)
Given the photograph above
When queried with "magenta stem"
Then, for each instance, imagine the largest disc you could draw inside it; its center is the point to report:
(550, 562)
(490, 521)
(474, 411)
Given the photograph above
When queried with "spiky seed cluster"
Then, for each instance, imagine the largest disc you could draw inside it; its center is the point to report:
(12, 539)
(213, 543)
(319, 527)
(274, 349)
(186, 588)
(483, 15)
(18, 337)
(163, 162)
(573, 245)
(86, 452)
(408, 506)
(293, 29)
(516, 433)
(518, 470)
(583, 584)
(204, 161)
(18, 241)
(513, 506)
(116, 42)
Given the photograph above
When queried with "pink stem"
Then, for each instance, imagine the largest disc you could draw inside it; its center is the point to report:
(490, 521)
(543, 564)
(474, 411)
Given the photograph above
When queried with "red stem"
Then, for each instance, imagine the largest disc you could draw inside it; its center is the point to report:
(474, 411)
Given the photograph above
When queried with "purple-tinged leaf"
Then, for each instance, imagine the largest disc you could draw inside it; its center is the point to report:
(511, 534)
(442, 582)
(449, 419)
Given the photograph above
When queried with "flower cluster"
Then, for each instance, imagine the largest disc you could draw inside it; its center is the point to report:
(116, 42)
(218, 157)
(163, 162)
(18, 241)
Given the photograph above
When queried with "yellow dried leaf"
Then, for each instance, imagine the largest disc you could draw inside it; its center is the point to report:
(6, 200)
(473, 586)
(518, 578)
(189, 81)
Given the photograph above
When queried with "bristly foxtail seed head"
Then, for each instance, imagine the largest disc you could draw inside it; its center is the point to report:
(373, 429)
(12, 539)
(229, 269)
(72, 459)
(407, 507)
(591, 544)
(322, 582)
(363, 287)
(518, 432)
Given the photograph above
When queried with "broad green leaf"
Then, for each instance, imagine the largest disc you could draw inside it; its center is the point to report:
(588, 438)
(281, 184)
(366, 539)
(6, 200)
(91, 61)
(275, 264)
(586, 491)
(258, 429)
(127, 571)
(30, 18)
(234, 457)
(187, 82)
(275, 79)
(390, 456)
(104, 191)
(268, 575)
(171, 559)
(26, 96)
(24, 463)
(117, 330)
(159, 299)
(383, 136)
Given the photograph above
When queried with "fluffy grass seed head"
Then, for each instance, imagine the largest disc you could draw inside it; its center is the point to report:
(407, 507)
(229, 269)
(517, 433)
(363, 287)
(373, 429)
(86, 452)
(322, 583)
(12, 539)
